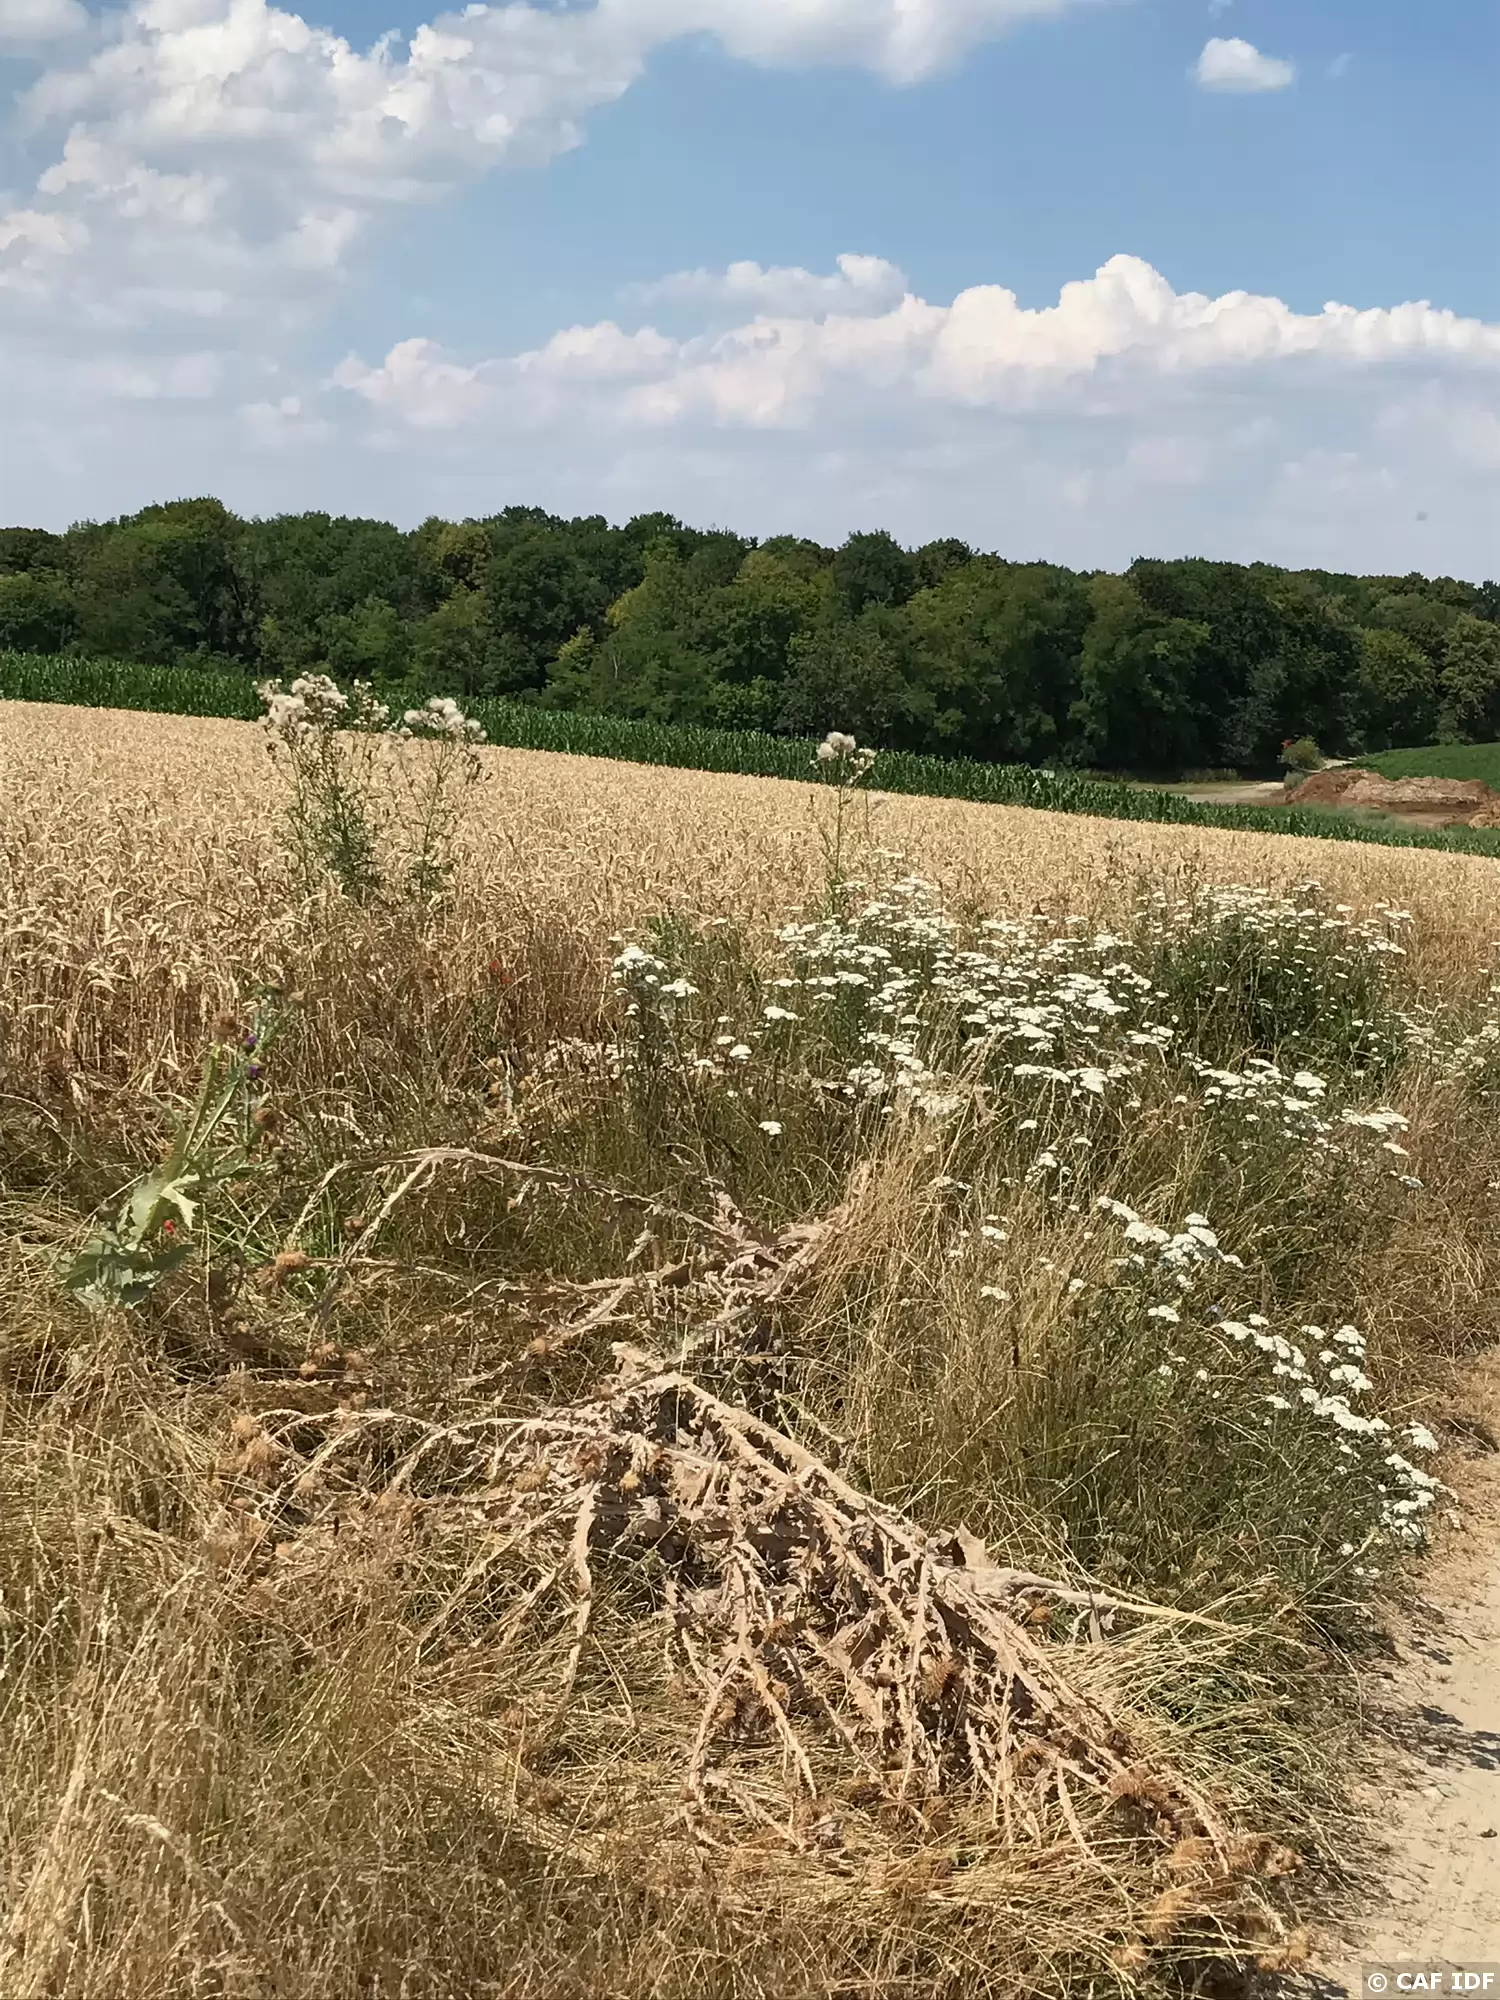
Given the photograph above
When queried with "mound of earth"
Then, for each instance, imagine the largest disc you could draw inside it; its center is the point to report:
(1445, 795)
(1465, 799)
(1326, 788)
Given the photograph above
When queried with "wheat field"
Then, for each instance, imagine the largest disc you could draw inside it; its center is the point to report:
(141, 849)
(714, 1437)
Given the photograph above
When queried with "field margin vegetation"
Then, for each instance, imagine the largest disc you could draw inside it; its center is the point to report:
(553, 1447)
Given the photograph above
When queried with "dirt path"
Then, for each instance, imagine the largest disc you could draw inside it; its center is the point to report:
(1262, 793)
(1442, 1902)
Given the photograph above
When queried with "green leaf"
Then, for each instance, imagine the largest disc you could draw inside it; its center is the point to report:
(163, 1190)
(107, 1273)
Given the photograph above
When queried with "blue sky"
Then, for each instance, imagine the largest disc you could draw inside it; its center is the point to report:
(1034, 161)
(272, 264)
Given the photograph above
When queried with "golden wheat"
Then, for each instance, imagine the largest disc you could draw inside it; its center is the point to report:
(139, 865)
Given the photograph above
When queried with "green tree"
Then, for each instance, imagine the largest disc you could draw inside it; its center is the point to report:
(1398, 688)
(308, 567)
(853, 675)
(450, 646)
(372, 642)
(1425, 618)
(30, 548)
(1470, 710)
(537, 595)
(38, 613)
(1311, 686)
(746, 628)
(872, 569)
(171, 583)
(1239, 684)
(935, 560)
(649, 660)
(995, 659)
(1138, 675)
(456, 553)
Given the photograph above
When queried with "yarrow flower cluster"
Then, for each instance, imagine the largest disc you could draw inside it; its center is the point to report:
(898, 1008)
(1313, 1380)
(1047, 1049)
(647, 979)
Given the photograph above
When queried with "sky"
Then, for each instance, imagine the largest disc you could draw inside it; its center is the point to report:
(1070, 279)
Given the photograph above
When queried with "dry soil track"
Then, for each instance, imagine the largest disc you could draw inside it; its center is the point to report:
(1440, 1903)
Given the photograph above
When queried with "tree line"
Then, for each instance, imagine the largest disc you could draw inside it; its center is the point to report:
(1170, 667)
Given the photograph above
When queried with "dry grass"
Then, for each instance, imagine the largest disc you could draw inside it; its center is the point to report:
(319, 1676)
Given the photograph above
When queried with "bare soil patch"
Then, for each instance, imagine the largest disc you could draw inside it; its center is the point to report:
(1440, 1703)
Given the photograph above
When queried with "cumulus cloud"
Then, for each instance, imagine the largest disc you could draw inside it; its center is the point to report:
(1230, 64)
(206, 169)
(296, 131)
(222, 159)
(1124, 418)
(899, 39)
(856, 285)
(23, 22)
(1106, 336)
(1127, 417)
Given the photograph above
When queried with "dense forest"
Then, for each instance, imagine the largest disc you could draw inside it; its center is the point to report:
(1174, 666)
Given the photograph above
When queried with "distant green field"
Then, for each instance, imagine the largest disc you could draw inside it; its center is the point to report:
(1441, 760)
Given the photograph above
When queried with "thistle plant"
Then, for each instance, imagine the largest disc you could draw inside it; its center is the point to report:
(845, 764)
(339, 753)
(436, 780)
(224, 1136)
(323, 741)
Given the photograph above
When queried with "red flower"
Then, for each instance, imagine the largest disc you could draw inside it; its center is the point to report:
(169, 1227)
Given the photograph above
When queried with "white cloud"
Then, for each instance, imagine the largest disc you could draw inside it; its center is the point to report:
(899, 39)
(1234, 65)
(286, 422)
(858, 285)
(417, 384)
(465, 91)
(1110, 334)
(177, 378)
(223, 159)
(28, 21)
(1126, 418)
